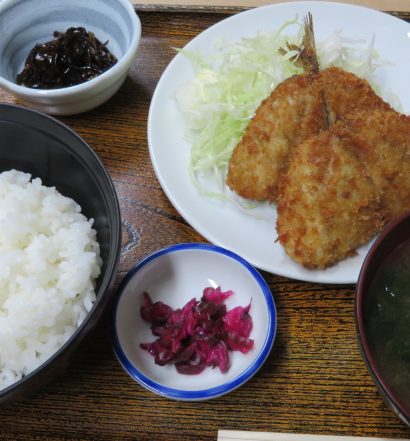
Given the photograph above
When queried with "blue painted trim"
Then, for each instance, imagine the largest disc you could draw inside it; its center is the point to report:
(205, 394)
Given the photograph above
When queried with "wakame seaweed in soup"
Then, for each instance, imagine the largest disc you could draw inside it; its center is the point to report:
(73, 57)
(387, 321)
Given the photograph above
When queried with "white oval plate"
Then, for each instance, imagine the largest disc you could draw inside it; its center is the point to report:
(222, 223)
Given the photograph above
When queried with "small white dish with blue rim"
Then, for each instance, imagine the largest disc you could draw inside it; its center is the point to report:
(175, 275)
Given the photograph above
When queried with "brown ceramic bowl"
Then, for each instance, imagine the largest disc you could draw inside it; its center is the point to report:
(383, 314)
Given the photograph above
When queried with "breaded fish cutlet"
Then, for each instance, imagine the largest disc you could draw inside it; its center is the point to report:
(343, 185)
(298, 108)
(292, 113)
(382, 141)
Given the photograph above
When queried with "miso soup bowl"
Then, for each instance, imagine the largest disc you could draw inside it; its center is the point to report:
(24, 23)
(393, 236)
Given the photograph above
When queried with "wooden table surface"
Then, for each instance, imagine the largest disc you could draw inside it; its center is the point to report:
(314, 380)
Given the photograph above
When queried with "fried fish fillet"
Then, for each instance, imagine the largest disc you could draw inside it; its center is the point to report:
(297, 109)
(343, 185)
(382, 142)
(292, 113)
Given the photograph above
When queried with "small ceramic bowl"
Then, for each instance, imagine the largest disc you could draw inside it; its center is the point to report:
(174, 276)
(383, 314)
(27, 22)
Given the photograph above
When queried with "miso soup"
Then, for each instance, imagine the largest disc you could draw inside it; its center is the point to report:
(387, 321)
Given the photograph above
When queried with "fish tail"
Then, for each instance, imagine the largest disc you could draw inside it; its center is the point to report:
(306, 55)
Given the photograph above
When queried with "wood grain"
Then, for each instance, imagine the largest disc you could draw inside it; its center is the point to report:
(314, 381)
(241, 435)
(220, 5)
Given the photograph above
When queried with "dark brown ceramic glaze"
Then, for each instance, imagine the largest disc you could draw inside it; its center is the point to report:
(392, 236)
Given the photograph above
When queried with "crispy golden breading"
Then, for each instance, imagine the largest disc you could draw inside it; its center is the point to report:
(327, 204)
(343, 185)
(292, 113)
(331, 152)
(346, 93)
(382, 142)
(298, 108)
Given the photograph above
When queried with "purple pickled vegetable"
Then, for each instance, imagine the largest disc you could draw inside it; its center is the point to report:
(239, 321)
(215, 295)
(156, 313)
(198, 335)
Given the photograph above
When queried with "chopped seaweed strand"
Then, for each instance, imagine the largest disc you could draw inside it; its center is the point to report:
(73, 57)
(198, 335)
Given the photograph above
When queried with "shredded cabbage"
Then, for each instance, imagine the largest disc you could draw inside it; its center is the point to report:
(228, 87)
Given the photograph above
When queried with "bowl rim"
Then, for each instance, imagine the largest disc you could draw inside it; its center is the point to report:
(213, 392)
(388, 394)
(111, 269)
(113, 72)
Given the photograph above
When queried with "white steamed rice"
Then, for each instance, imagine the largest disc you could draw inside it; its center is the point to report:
(49, 260)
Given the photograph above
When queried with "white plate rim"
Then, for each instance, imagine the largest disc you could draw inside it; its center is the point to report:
(341, 273)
